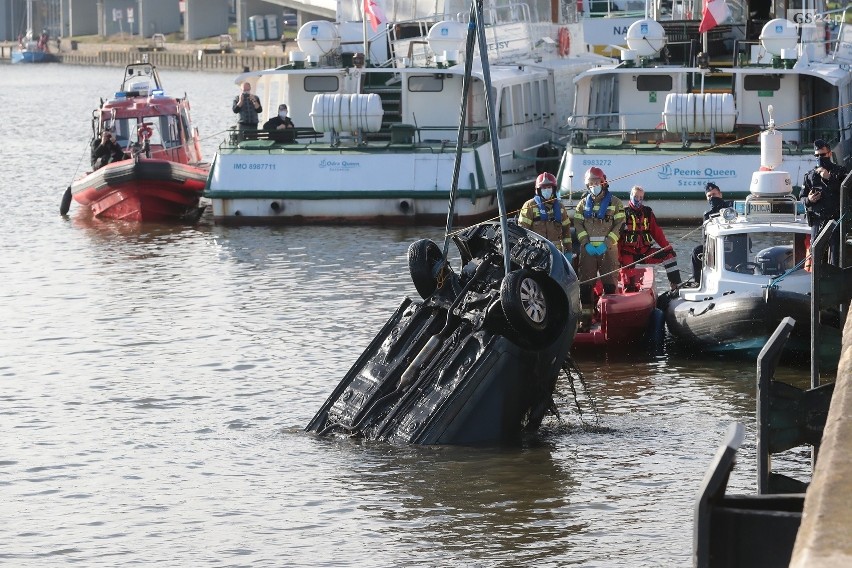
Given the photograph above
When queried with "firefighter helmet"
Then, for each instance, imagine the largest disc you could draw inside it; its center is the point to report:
(545, 180)
(594, 173)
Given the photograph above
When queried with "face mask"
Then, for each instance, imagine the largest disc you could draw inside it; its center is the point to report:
(636, 202)
(595, 189)
(282, 114)
(546, 193)
(824, 161)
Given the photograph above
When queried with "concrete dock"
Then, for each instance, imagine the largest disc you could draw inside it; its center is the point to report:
(824, 539)
(178, 55)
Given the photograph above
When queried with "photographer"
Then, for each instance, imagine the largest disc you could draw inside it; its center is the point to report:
(821, 195)
(248, 107)
(106, 151)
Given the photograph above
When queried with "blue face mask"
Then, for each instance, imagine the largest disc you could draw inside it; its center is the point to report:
(596, 189)
(636, 201)
(546, 193)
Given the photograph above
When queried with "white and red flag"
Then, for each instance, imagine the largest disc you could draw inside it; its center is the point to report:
(715, 12)
(373, 11)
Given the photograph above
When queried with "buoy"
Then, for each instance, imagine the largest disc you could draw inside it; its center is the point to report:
(66, 202)
(564, 40)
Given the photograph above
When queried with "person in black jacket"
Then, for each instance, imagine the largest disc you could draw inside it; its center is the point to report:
(106, 151)
(821, 195)
(247, 106)
(716, 203)
(280, 128)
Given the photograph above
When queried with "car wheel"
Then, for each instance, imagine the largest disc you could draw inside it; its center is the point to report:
(424, 256)
(525, 304)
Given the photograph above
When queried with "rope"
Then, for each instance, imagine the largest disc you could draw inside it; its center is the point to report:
(569, 367)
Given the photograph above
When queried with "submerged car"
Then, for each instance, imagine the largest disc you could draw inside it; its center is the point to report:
(476, 360)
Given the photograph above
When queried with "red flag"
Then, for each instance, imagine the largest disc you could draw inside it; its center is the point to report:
(373, 11)
(715, 12)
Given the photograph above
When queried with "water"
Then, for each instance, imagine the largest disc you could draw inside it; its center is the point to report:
(155, 380)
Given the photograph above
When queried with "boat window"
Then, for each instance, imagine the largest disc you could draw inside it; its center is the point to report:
(710, 253)
(322, 84)
(762, 82)
(654, 83)
(425, 84)
(124, 130)
(736, 250)
(164, 130)
(504, 114)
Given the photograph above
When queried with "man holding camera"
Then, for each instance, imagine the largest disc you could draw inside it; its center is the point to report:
(106, 151)
(248, 107)
(821, 195)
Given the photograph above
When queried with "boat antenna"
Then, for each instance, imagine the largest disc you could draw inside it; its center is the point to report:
(762, 119)
(476, 30)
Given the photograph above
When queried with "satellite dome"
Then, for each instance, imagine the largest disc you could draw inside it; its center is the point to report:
(778, 34)
(645, 37)
(317, 38)
(446, 36)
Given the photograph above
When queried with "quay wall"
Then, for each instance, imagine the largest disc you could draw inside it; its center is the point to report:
(174, 56)
(825, 535)
(224, 62)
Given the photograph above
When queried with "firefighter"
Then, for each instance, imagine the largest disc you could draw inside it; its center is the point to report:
(546, 215)
(639, 234)
(597, 221)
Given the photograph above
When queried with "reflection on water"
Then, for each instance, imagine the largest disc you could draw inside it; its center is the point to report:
(156, 380)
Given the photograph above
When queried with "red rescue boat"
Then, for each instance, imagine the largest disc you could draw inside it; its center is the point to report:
(157, 173)
(625, 317)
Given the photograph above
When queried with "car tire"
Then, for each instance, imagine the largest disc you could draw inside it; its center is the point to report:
(424, 256)
(525, 304)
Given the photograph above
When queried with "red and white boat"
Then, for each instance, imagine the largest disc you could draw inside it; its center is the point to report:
(625, 317)
(161, 177)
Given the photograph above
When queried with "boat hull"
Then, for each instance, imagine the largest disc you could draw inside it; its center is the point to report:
(739, 322)
(142, 190)
(623, 318)
(26, 56)
(345, 186)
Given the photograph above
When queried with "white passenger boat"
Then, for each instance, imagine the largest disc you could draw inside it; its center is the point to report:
(377, 119)
(674, 114)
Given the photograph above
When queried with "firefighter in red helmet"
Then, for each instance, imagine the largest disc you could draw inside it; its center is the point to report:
(597, 220)
(546, 215)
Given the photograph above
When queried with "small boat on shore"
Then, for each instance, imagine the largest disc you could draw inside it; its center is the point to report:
(375, 139)
(159, 175)
(30, 49)
(625, 318)
(683, 108)
(753, 272)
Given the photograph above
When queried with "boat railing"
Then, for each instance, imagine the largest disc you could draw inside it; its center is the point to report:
(436, 138)
(761, 208)
(617, 130)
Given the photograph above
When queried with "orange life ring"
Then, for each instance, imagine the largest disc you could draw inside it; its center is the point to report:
(145, 132)
(564, 41)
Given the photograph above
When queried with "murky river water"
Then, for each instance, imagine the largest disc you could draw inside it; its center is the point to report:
(155, 380)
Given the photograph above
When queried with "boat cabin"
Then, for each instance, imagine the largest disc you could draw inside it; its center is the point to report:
(144, 118)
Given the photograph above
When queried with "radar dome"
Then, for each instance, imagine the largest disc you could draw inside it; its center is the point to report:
(645, 37)
(778, 34)
(446, 36)
(318, 38)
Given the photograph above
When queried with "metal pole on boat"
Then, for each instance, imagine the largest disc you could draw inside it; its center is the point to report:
(492, 130)
(466, 79)
(817, 249)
